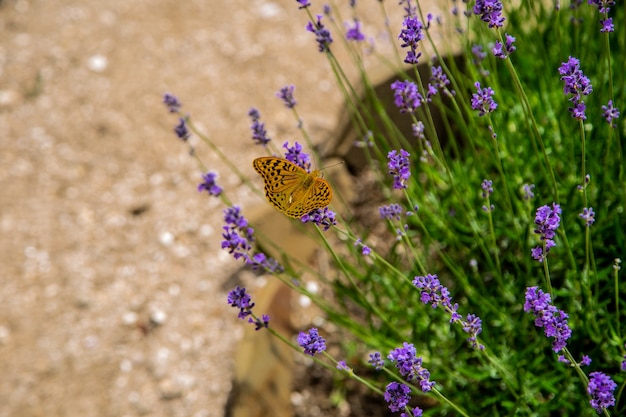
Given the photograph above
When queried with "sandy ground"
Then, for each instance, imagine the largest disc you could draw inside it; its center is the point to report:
(102, 229)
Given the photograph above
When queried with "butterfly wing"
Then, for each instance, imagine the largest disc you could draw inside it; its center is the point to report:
(316, 196)
(279, 174)
(282, 178)
(290, 188)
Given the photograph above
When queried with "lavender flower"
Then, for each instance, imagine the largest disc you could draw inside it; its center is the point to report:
(410, 35)
(588, 216)
(416, 412)
(479, 54)
(503, 51)
(233, 216)
(435, 294)
(236, 244)
(398, 166)
(409, 9)
(209, 184)
(376, 361)
(181, 129)
(325, 218)
(482, 100)
(312, 342)
(410, 366)
(547, 220)
(260, 323)
(354, 33)
(238, 239)
(607, 25)
(303, 4)
(365, 251)
(487, 191)
(286, 95)
(490, 11)
(294, 154)
(439, 81)
(487, 188)
(341, 365)
(528, 191)
(553, 320)
(397, 396)
(322, 35)
(603, 6)
(576, 84)
(601, 389)
(390, 212)
(418, 129)
(259, 134)
(406, 96)
(473, 326)
(610, 113)
(172, 103)
(238, 298)
(260, 260)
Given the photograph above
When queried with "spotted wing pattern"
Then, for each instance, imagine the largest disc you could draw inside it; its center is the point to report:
(290, 188)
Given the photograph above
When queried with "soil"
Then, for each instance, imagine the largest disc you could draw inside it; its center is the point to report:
(113, 284)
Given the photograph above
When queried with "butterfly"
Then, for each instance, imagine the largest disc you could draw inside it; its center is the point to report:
(290, 188)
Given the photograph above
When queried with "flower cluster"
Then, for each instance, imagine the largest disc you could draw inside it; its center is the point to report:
(588, 216)
(503, 51)
(377, 361)
(173, 106)
(322, 35)
(325, 218)
(171, 102)
(547, 220)
(398, 166)
(312, 342)
(354, 33)
(610, 113)
(553, 320)
(527, 189)
(585, 361)
(238, 298)
(406, 97)
(410, 35)
(487, 191)
(259, 134)
(576, 84)
(438, 81)
(181, 129)
(294, 154)
(209, 184)
(303, 4)
(286, 95)
(604, 6)
(601, 389)
(483, 100)
(397, 396)
(410, 366)
(365, 250)
(490, 11)
(238, 239)
(390, 212)
(435, 294)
